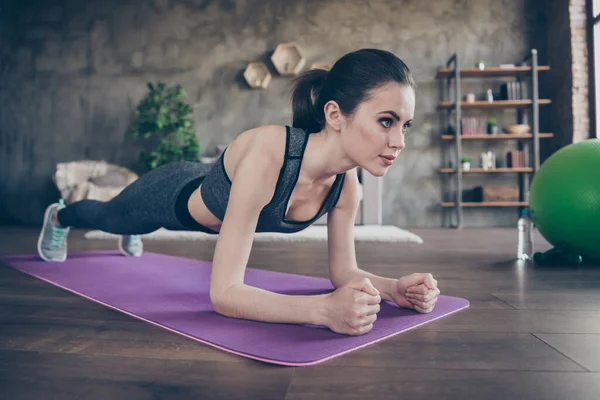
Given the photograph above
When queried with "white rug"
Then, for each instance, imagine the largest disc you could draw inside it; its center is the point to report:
(315, 233)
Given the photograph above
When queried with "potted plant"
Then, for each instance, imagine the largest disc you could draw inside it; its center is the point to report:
(163, 121)
(492, 127)
(466, 163)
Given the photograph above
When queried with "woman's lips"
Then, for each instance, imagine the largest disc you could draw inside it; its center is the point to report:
(387, 160)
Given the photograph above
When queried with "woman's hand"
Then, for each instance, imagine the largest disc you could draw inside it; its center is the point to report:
(416, 291)
(352, 309)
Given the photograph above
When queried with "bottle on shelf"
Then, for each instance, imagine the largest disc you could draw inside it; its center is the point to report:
(525, 236)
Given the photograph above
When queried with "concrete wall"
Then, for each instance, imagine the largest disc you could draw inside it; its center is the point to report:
(73, 71)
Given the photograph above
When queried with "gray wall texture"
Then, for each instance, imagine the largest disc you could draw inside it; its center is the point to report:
(73, 71)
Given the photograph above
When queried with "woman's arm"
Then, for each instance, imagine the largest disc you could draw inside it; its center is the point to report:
(253, 185)
(417, 291)
(343, 267)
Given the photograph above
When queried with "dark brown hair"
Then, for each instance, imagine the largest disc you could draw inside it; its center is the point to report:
(348, 83)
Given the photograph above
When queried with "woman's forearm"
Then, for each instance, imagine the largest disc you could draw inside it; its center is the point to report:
(384, 285)
(248, 302)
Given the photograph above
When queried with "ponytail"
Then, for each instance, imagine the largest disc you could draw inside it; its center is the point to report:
(349, 82)
(306, 113)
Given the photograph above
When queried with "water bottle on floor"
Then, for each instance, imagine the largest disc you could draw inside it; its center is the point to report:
(525, 239)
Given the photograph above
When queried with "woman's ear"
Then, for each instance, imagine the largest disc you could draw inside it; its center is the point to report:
(333, 115)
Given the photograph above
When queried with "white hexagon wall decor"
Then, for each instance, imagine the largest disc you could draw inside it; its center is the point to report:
(257, 75)
(324, 66)
(287, 59)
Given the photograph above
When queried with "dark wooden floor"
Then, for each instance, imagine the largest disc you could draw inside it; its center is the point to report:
(530, 333)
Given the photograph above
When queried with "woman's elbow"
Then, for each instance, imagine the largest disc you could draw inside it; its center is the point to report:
(221, 301)
(218, 303)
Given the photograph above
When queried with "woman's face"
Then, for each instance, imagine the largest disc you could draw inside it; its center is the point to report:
(374, 135)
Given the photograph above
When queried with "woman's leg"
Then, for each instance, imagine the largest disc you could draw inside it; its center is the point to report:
(124, 215)
(142, 207)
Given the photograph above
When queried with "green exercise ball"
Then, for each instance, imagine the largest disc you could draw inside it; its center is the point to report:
(564, 199)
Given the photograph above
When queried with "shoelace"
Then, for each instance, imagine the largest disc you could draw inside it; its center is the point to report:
(58, 234)
(135, 240)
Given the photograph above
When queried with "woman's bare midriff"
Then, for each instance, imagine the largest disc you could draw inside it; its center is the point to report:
(201, 213)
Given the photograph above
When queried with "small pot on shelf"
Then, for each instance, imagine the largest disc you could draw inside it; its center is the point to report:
(465, 163)
(492, 127)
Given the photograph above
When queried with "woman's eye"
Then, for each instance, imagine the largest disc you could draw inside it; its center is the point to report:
(386, 122)
(406, 126)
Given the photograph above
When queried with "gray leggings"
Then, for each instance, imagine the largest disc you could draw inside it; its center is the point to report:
(157, 199)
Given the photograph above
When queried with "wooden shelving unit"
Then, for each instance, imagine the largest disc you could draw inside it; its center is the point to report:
(452, 73)
(489, 204)
(495, 104)
(501, 136)
(490, 72)
(487, 171)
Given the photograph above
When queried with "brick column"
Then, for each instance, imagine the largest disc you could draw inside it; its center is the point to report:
(568, 81)
(579, 51)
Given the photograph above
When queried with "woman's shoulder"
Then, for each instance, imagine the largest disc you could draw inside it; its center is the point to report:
(263, 146)
(267, 135)
(268, 141)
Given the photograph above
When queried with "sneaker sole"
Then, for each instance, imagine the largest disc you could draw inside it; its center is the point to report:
(122, 250)
(39, 244)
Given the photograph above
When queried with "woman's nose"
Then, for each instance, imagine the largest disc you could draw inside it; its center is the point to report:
(397, 141)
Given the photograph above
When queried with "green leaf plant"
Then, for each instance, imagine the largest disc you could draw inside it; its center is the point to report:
(163, 122)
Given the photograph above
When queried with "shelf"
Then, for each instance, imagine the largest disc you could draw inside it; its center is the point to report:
(257, 75)
(325, 66)
(501, 136)
(495, 104)
(490, 204)
(287, 59)
(489, 72)
(489, 171)
(526, 107)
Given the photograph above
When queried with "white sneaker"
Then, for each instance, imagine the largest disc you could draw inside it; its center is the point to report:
(52, 242)
(131, 245)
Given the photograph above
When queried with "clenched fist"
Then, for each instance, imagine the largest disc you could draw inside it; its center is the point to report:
(352, 309)
(416, 291)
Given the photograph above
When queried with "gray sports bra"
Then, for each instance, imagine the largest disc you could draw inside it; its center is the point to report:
(216, 185)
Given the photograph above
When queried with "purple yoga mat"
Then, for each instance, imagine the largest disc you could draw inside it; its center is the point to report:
(173, 293)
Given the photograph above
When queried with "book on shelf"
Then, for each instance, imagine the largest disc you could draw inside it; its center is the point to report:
(514, 90)
(515, 159)
(473, 126)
